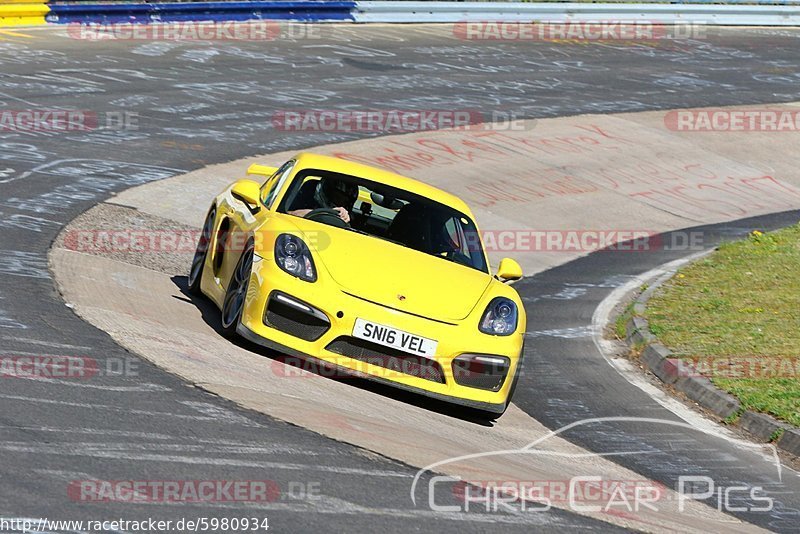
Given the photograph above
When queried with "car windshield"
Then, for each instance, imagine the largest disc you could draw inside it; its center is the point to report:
(389, 213)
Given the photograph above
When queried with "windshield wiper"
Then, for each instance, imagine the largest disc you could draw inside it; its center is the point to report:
(453, 260)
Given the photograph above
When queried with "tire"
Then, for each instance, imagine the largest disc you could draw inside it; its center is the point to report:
(200, 254)
(236, 295)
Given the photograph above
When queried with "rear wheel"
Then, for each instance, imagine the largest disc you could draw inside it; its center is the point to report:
(200, 254)
(235, 296)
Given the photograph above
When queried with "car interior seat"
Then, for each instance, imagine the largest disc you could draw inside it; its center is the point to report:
(410, 227)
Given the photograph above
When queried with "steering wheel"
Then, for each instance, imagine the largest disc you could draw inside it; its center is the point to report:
(326, 216)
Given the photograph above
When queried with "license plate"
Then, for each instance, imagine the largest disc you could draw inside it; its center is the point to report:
(395, 338)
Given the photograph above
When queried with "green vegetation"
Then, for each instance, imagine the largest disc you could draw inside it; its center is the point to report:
(621, 323)
(738, 311)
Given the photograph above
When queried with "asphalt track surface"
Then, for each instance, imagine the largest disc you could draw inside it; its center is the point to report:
(202, 103)
(567, 379)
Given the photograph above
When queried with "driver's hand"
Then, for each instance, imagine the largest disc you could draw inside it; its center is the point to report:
(342, 213)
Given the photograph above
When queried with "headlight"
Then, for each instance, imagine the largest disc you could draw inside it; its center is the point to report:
(294, 257)
(500, 317)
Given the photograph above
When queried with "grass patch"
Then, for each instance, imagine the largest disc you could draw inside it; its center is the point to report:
(621, 322)
(737, 306)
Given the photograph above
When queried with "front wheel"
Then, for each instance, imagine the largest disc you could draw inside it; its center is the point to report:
(200, 254)
(235, 296)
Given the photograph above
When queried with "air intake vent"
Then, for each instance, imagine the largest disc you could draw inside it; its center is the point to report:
(295, 317)
(386, 357)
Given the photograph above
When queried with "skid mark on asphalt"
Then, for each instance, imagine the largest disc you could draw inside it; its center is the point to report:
(96, 406)
(325, 504)
(91, 431)
(568, 293)
(565, 333)
(238, 446)
(95, 452)
(219, 413)
(172, 447)
(143, 387)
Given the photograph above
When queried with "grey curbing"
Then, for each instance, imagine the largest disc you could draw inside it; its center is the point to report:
(707, 395)
(761, 425)
(659, 360)
(638, 331)
(790, 441)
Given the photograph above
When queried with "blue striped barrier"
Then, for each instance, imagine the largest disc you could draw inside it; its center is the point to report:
(306, 11)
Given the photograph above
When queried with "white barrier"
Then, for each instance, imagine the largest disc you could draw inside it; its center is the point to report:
(449, 12)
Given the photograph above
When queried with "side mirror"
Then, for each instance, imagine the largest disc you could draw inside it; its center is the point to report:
(509, 270)
(261, 170)
(247, 191)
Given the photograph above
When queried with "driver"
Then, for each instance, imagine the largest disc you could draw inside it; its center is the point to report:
(329, 193)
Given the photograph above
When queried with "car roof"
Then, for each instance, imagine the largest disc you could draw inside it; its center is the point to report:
(308, 160)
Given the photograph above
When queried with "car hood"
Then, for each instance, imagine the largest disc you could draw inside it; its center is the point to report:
(395, 276)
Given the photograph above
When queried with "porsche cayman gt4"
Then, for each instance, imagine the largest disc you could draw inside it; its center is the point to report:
(368, 271)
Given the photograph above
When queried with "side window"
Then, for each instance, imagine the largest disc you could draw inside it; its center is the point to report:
(454, 233)
(265, 187)
(275, 183)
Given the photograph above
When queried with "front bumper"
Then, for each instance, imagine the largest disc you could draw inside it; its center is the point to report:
(251, 336)
(341, 311)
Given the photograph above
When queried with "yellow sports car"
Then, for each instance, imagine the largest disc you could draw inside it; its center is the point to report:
(372, 272)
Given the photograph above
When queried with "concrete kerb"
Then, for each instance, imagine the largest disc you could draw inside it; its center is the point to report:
(672, 371)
